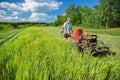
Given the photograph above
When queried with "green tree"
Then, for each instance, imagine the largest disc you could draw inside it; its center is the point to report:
(107, 10)
(116, 13)
(78, 16)
(106, 14)
(86, 15)
(60, 20)
(74, 13)
(70, 12)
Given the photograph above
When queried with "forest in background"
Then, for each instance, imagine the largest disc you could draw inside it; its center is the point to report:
(104, 15)
(19, 25)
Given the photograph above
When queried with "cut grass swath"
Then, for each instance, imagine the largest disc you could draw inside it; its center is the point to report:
(40, 56)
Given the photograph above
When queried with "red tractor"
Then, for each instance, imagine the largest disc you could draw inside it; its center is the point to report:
(89, 43)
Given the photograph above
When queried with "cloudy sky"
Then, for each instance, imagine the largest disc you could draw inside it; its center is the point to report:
(37, 10)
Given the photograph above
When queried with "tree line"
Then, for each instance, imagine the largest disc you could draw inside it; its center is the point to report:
(19, 25)
(106, 15)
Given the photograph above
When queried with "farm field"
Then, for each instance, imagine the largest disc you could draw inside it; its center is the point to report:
(111, 37)
(112, 31)
(38, 53)
(6, 36)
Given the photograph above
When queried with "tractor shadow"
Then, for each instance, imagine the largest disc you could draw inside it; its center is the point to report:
(99, 53)
(103, 54)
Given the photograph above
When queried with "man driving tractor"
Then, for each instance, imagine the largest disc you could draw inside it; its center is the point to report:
(85, 42)
(67, 29)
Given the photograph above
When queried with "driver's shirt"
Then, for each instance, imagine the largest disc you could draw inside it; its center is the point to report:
(67, 27)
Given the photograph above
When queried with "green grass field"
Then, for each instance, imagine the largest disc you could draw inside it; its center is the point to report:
(111, 37)
(38, 53)
(8, 35)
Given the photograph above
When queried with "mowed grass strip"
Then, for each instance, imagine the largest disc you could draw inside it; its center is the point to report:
(36, 55)
(111, 31)
(112, 41)
(8, 36)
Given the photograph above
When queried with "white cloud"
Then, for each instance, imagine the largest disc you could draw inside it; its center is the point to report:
(2, 12)
(55, 17)
(13, 7)
(11, 18)
(38, 8)
(41, 5)
(64, 14)
(15, 13)
(40, 17)
(32, 5)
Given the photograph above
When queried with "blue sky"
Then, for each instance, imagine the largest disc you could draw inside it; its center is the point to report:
(37, 10)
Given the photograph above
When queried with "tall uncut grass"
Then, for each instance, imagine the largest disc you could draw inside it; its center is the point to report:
(36, 55)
